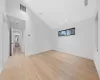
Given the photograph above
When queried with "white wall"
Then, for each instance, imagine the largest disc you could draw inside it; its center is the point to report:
(97, 54)
(82, 43)
(5, 42)
(37, 36)
(4, 45)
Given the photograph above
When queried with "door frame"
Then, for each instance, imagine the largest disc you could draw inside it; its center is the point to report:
(10, 41)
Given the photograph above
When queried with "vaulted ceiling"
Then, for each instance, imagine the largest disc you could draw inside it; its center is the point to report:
(57, 13)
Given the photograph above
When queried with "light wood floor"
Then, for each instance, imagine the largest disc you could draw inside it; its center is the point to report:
(51, 65)
(17, 50)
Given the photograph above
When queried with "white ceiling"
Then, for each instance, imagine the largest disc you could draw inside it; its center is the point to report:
(16, 23)
(57, 13)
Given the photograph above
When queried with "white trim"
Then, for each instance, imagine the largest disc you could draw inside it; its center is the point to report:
(0, 70)
(97, 61)
(31, 53)
(96, 65)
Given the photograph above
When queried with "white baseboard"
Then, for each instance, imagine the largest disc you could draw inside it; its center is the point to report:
(97, 70)
(97, 63)
(31, 53)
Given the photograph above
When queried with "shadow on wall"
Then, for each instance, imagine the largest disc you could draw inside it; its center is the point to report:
(82, 43)
(42, 33)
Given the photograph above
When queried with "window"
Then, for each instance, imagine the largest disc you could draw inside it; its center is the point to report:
(67, 32)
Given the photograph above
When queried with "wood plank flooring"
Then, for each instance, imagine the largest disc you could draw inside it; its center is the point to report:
(50, 65)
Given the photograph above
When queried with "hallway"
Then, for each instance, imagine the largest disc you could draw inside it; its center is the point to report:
(50, 65)
(18, 51)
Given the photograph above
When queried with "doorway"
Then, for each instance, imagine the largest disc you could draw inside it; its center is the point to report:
(16, 40)
(16, 30)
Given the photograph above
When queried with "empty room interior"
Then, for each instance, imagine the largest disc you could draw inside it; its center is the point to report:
(49, 40)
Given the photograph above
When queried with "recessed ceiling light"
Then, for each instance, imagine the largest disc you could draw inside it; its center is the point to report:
(17, 22)
(62, 22)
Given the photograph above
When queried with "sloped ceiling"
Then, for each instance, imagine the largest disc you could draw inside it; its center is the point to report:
(57, 13)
